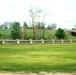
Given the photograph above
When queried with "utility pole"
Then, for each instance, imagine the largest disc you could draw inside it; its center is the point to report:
(43, 27)
(22, 32)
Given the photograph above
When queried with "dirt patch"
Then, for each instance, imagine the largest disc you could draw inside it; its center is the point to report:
(40, 73)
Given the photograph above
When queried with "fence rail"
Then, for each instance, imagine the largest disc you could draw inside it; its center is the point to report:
(36, 41)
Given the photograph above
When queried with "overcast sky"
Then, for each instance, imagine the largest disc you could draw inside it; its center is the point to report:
(61, 12)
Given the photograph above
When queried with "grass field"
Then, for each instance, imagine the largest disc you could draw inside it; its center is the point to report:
(49, 34)
(38, 57)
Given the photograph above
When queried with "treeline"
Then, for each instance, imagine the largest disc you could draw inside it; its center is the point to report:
(8, 25)
(35, 32)
(36, 29)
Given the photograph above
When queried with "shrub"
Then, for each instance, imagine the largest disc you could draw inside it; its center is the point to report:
(60, 33)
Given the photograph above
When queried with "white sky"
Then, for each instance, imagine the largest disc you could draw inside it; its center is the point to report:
(61, 12)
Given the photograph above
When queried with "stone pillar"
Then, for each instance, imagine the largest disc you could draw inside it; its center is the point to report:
(18, 41)
(70, 41)
(31, 41)
(3, 41)
(62, 41)
(42, 41)
(53, 41)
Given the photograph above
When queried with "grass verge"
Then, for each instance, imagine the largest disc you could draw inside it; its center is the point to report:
(38, 57)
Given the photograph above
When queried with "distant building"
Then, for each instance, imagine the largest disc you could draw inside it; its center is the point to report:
(73, 32)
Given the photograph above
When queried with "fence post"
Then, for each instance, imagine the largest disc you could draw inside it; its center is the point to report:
(3, 41)
(42, 41)
(18, 41)
(70, 41)
(31, 41)
(62, 41)
(53, 41)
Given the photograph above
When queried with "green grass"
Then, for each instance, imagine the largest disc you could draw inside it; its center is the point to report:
(38, 57)
(5, 34)
(49, 34)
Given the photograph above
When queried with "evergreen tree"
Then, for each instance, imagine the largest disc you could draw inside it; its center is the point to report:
(60, 33)
(15, 32)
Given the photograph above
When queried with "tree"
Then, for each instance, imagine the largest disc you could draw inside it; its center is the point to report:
(15, 32)
(43, 29)
(24, 27)
(52, 26)
(34, 17)
(5, 25)
(1, 26)
(60, 33)
(49, 27)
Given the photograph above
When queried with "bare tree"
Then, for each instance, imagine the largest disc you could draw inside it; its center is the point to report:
(35, 18)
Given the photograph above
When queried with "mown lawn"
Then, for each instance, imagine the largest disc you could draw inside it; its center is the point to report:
(38, 57)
